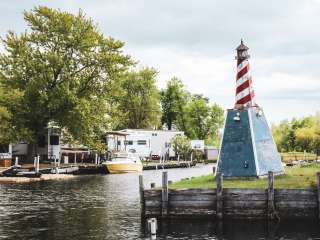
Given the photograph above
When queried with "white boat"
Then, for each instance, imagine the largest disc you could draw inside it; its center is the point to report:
(123, 162)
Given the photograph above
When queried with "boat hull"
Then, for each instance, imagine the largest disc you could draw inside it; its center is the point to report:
(123, 167)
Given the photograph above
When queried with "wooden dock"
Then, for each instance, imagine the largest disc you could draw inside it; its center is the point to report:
(230, 203)
(168, 165)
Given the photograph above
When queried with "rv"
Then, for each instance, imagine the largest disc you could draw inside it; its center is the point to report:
(146, 143)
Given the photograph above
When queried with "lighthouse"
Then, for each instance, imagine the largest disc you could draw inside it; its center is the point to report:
(247, 146)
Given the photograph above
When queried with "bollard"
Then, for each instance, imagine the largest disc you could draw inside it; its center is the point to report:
(96, 159)
(16, 163)
(37, 165)
(152, 226)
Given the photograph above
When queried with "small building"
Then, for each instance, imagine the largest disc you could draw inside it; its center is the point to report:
(197, 145)
(5, 155)
(211, 153)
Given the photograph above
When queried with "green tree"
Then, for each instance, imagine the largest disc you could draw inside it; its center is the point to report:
(204, 119)
(173, 101)
(181, 146)
(137, 103)
(61, 69)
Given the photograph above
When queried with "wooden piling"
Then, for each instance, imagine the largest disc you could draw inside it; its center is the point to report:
(271, 208)
(141, 192)
(164, 198)
(318, 192)
(219, 180)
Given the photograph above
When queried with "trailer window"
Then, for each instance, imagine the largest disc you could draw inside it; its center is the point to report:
(128, 142)
(54, 140)
(142, 142)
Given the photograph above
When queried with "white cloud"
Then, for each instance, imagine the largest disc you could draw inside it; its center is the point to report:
(195, 41)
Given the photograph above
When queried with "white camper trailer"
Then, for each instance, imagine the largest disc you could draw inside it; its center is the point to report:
(160, 141)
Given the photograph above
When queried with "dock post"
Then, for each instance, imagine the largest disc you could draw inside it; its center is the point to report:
(271, 208)
(141, 192)
(37, 163)
(219, 180)
(164, 199)
(318, 187)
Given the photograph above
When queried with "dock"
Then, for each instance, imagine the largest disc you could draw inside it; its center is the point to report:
(230, 203)
(168, 165)
(43, 177)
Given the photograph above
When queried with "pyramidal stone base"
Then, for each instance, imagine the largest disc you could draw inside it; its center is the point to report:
(248, 148)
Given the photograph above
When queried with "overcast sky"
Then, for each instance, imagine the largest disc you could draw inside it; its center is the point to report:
(196, 40)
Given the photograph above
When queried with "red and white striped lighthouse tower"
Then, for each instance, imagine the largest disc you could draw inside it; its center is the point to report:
(244, 90)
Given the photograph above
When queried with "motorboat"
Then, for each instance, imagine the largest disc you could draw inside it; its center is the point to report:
(123, 162)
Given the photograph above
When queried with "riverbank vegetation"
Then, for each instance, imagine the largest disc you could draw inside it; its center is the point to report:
(295, 177)
(298, 134)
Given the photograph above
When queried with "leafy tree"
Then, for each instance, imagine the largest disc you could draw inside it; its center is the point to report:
(61, 69)
(137, 103)
(173, 100)
(203, 119)
(298, 134)
(181, 145)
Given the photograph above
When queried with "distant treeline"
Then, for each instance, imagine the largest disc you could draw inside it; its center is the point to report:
(298, 134)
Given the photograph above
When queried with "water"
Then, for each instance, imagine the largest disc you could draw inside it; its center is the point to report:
(107, 207)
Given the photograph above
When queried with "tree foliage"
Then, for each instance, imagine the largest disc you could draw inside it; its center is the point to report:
(192, 114)
(173, 100)
(136, 105)
(298, 134)
(61, 69)
(181, 145)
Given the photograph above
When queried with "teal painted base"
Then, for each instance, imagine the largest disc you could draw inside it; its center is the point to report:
(247, 148)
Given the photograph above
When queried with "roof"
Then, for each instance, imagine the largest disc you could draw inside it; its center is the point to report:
(242, 47)
(117, 133)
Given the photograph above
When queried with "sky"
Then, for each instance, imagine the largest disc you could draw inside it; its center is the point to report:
(195, 41)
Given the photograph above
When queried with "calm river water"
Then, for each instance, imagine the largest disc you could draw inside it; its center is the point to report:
(107, 207)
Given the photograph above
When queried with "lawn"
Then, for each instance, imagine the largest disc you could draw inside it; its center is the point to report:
(295, 177)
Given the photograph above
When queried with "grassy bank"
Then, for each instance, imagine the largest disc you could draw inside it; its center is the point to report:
(294, 177)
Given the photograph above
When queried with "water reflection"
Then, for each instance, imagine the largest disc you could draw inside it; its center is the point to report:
(107, 207)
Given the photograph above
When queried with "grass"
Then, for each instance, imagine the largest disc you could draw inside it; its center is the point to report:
(294, 177)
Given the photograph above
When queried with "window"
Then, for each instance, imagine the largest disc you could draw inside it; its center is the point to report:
(41, 141)
(128, 142)
(4, 148)
(119, 143)
(142, 142)
(154, 134)
(54, 140)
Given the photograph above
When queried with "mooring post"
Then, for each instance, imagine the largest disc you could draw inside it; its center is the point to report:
(164, 199)
(35, 162)
(219, 180)
(318, 187)
(141, 192)
(271, 208)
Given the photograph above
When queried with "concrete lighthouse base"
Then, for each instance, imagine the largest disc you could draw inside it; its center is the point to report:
(247, 148)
